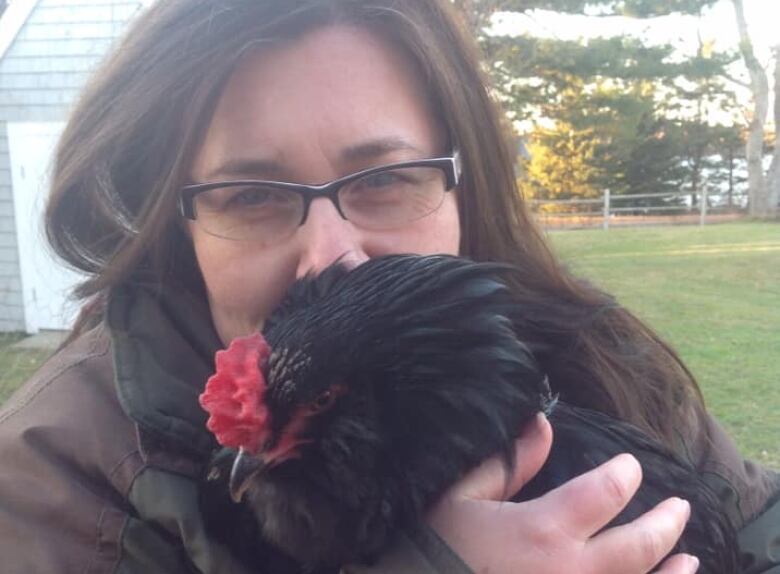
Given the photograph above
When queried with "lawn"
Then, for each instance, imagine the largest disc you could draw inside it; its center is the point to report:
(714, 293)
(16, 365)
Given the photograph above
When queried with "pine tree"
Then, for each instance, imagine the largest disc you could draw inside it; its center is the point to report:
(645, 111)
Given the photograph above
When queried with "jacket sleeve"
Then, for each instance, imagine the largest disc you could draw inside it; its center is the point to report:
(750, 495)
(416, 551)
(759, 542)
(72, 471)
(61, 506)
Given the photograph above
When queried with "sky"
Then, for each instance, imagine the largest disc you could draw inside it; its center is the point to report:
(717, 25)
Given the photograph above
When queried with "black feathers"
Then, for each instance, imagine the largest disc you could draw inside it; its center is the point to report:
(432, 378)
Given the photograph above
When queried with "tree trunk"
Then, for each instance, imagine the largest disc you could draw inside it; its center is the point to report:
(754, 150)
(773, 178)
(730, 151)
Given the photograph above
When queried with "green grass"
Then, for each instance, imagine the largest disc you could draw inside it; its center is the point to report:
(16, 365)
(714, 293)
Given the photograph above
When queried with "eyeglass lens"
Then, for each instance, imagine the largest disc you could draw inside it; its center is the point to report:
(382, 200)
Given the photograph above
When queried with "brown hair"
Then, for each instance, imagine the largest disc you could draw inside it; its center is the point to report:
(132, 137)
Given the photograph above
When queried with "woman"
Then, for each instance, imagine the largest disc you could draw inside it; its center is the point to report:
(104, 448)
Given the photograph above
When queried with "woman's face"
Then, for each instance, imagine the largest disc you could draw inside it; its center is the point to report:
(331, 103)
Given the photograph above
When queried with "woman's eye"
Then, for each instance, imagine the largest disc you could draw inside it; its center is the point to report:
(398, 180)
(380, 180)
(253, 196)
(387, 186)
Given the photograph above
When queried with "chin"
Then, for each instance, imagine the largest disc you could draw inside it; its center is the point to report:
(227, 331)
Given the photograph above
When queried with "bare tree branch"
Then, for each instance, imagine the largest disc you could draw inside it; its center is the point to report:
(759, 86)
(773, 176)
(734, 80)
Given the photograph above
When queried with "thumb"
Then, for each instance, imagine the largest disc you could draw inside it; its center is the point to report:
(489, 481)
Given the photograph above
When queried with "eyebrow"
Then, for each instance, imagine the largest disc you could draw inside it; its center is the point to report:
(245, 167)
(377, 148)
(267, 168)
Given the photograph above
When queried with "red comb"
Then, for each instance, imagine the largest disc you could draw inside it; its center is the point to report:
(233, 396)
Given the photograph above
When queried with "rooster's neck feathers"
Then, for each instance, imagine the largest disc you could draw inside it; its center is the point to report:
(383, 316)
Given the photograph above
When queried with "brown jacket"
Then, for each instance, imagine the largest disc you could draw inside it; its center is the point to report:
(90, 484)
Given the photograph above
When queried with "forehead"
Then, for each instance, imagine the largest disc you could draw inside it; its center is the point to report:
(313, 98)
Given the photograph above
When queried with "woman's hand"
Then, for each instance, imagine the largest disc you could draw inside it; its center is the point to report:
(558, 531)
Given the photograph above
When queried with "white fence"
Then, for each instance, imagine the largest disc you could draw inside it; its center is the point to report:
(626, 210)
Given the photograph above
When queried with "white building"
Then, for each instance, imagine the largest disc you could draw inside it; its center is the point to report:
(48, 48)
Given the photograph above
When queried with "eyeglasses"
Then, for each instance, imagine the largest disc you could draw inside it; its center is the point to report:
(380, 198)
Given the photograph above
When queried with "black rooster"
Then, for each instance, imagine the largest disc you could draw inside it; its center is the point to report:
(383, 386)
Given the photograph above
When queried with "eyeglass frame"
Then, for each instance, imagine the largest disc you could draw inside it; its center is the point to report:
(450, 165)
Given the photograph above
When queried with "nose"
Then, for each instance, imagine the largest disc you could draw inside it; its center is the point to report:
(326, 238)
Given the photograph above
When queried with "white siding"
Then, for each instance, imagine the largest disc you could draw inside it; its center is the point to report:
(41, 74)
(54, 52)
(11, 308)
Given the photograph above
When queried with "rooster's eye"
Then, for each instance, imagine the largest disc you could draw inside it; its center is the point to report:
(322, 402)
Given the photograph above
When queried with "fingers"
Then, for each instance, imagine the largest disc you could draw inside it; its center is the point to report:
(489, 481)
(641, 544)
(585, 504)
(679, 564)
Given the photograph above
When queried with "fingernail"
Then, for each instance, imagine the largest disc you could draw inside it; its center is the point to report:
(693, 564)
(627, 464)
(533, 427)
(685, 508)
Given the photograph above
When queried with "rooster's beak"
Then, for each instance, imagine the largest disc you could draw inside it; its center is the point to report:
(245, 467)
